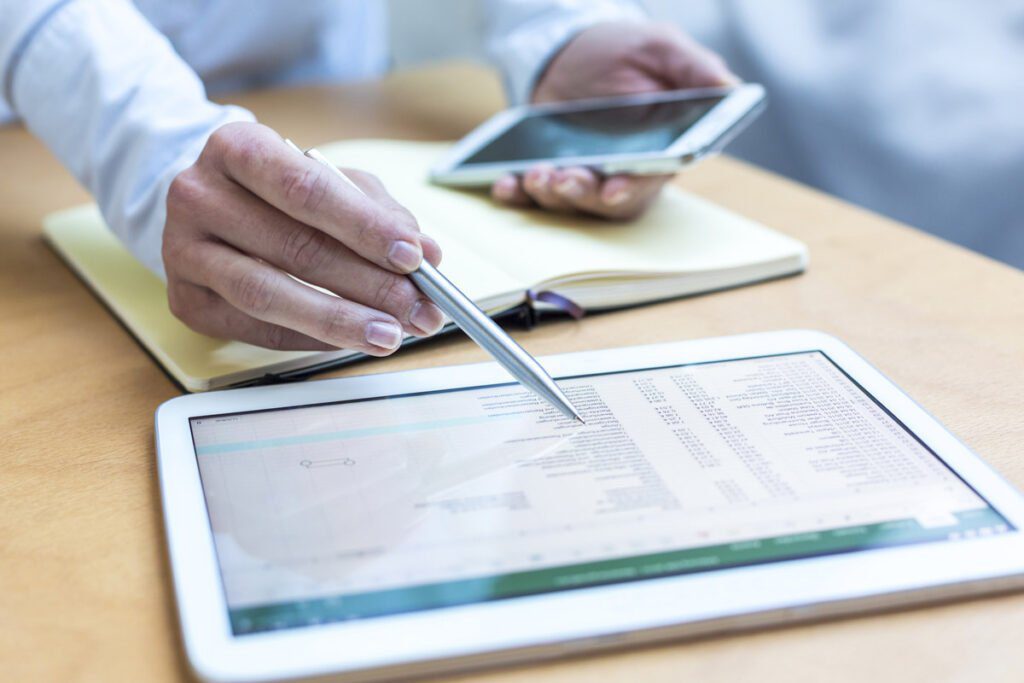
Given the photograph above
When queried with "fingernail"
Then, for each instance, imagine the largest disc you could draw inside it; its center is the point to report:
(385, 335)
(569, 187)
(426, 317)
(618, 197)
(405, 256)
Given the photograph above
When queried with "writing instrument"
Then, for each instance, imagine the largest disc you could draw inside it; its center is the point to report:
(474, 322)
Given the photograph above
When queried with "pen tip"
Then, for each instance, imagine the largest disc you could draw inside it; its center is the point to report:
(582, 421)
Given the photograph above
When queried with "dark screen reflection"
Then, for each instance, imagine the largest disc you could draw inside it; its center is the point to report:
(614, 130)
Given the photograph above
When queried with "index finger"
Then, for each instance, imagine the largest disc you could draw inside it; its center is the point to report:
(258, 159)
(372, 187)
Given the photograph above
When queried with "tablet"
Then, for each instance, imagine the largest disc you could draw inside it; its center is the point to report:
(640, 134)
(397, 524)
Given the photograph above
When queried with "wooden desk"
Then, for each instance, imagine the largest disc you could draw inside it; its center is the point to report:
(85, 591)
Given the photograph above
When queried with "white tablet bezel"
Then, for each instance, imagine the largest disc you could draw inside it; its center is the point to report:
(576, 620)
(709, 134)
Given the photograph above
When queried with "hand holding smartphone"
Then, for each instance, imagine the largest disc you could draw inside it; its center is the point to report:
(647, 134)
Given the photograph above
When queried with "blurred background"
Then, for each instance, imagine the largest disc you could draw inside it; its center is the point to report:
(912, 109)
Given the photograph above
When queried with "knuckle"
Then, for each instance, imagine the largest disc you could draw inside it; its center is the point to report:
(183, 256)
(276, 338)
(380, 227)
(305, 187)
(217, 144)
(306, 249)
(371, 227)
(179, 304)
(181, 250)
(224, 139)
(392, 294)
(171, 250)
(175, 304)
(186, 190)
(337, 326)
(256, 290)
(244, 151)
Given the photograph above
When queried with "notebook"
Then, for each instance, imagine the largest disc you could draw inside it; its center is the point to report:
(505, 259)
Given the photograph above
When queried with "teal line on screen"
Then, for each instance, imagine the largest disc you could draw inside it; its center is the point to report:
(255, 444)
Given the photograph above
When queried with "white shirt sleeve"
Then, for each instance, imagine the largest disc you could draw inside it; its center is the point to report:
(112, 100)
(524, 35)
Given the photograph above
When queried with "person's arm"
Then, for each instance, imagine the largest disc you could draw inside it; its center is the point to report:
(108, 95)
(553, 50)
(200, 193)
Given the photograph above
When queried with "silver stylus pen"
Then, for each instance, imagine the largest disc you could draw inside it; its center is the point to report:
(474, 322)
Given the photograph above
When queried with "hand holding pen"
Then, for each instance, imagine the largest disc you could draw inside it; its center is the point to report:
(250, 212)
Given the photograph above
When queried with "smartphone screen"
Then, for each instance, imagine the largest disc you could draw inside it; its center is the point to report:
(616, 129)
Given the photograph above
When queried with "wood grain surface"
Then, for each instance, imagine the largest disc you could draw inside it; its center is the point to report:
(85, 591)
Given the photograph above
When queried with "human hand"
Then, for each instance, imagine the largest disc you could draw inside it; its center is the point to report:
(251, 212)
(604, 60)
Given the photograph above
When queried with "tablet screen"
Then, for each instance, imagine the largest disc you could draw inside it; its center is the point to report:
(621, 129)
(374, 507)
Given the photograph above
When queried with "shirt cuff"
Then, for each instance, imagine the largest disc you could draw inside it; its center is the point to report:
(110, 97)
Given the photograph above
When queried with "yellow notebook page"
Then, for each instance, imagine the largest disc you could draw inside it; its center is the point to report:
(681, 233)
(139, 299)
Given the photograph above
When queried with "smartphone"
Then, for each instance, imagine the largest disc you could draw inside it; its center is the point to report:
(646, 134)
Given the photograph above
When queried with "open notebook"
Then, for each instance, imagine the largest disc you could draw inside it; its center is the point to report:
(682, 245)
